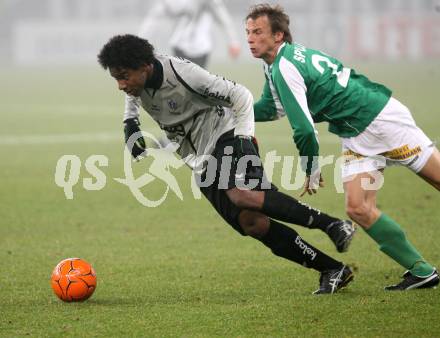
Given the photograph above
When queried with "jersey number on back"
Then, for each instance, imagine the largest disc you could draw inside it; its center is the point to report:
(342, 76)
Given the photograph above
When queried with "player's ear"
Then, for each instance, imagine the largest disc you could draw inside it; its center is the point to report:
(279, 36)
(148, 67)
(144, 67)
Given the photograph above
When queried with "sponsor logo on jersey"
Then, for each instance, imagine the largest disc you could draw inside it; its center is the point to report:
(217, 96)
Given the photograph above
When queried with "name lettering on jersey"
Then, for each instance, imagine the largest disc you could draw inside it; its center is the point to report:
(298, 53)
(178, 129)
(217, 96)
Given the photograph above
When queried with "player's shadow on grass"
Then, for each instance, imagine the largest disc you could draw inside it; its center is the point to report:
(347, 295)
(165, 300)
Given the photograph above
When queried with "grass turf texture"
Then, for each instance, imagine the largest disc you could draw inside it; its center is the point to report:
(179, 270)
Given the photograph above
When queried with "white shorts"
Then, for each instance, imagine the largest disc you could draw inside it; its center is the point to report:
(392, 138)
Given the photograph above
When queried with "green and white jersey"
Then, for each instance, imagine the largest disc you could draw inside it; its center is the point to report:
(310, 87)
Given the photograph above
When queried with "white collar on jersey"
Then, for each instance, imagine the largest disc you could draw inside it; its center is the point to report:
(269, 67)
(281, 47)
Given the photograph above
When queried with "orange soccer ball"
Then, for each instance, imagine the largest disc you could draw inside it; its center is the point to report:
(73, 280)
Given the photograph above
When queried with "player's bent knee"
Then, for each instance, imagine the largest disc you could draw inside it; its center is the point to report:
(253, 223)
(243, 199)
(357, 211)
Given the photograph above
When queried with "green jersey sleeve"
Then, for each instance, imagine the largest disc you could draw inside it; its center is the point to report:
(292, 93)
(268, 108)
(264, 108)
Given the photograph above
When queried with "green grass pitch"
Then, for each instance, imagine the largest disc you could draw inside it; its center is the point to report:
(179, 270)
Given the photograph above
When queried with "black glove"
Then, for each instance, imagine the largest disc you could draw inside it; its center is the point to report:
(131, 126)
(243, 145)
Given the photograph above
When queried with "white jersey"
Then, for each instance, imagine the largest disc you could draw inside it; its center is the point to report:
(194, 107)
(194, 18)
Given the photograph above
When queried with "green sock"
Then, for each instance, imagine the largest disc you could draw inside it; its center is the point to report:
(392, 241)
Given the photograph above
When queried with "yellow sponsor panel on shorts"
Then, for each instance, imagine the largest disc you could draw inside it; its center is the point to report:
(402, 153)
(350, 155)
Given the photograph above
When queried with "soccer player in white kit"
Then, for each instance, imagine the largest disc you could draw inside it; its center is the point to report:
(192, 32)
(206, 114)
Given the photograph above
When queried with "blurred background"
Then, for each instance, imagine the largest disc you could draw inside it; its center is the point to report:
(72, 31)
(54, 95)
(56, 100)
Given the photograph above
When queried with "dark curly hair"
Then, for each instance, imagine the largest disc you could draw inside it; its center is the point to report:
(279, 20)
(126, 51)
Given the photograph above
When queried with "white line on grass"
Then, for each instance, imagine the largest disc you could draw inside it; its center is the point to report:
(58, 108)
(30, 139)
(59, 138)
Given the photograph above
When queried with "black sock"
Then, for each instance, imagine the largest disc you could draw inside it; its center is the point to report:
(285, 242)
(285, 208)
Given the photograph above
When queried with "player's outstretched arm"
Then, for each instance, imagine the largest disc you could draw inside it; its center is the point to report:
(133, 138)
(135, 145)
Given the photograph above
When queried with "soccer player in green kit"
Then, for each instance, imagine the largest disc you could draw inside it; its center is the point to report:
(376, 130)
